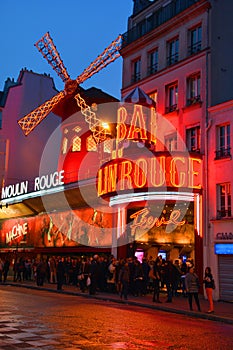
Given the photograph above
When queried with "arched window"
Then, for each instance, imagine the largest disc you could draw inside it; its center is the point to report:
(91, 144)
(64, 145)
(76, 144)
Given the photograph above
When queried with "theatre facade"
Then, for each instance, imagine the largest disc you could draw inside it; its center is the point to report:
(127, 195)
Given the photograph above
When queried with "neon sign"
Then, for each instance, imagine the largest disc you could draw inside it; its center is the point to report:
(43, 182)
(16, 232)
(137, 127)
(145, 222)
(151, 172)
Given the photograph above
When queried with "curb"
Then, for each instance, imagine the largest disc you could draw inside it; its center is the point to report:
(194, 314)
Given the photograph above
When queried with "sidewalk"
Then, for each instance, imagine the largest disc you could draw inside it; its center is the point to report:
(223, 310)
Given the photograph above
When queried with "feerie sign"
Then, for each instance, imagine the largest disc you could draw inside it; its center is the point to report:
(143, 220)
(43, 182)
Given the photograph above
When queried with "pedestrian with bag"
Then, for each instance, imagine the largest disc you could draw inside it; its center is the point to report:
(209, 283)
(192, 287)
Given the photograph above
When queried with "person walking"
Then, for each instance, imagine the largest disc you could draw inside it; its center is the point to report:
(52, 269)
(169, 278)
(1, 269)
(192, 288)
(156, 280)
(124, 280)
(93, 274)
(6, 270)
(60, 273)
(209, 286)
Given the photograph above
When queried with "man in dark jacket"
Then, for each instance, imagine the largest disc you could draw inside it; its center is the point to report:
(60, 273)
(169, 278)
(93, 273)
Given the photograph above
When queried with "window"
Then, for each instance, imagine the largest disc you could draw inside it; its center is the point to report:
(195, 38)
(149, 22)
(136, 71)
(141, 27)
(223, 141)
(64, 147)
(76, 144)
(193, 139)
(172, 51)
(224, 200)
(91, 144)
(171, 97)
(108, 146)
(152, 62)
(171, 142)
(193, 89)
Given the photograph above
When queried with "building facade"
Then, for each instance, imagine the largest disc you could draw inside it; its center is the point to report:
(176, 52)
(161, 182)
(43, 211)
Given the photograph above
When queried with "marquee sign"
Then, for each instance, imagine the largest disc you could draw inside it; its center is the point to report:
(153, 172)
(43, 182)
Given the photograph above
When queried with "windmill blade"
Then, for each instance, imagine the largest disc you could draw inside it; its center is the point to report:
(109, 55)
(49, 51)
(95, 125)
(31, 120)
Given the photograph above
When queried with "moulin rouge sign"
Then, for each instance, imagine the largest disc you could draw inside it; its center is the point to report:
(149, 171)
(41, 183)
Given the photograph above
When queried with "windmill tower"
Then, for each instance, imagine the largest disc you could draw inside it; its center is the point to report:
(71, 100)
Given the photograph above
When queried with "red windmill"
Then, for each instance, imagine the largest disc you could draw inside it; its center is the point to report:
(46, 46)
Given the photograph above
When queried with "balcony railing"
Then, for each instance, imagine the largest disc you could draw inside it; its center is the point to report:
(152, 69)
(223, 153)
(194, 48)
(135, 77)
(193, 100)
(160, 16)
(224, 213)
(171, 108)
(172, 59)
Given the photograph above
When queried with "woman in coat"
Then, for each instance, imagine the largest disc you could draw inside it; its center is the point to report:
(192, 288)
(209, 286)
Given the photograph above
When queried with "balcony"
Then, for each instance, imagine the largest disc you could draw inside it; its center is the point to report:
(157, 18)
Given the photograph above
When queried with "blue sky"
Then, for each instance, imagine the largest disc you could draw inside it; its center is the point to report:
(81, 30)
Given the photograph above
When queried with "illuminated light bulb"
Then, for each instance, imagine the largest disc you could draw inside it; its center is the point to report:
(105, 125)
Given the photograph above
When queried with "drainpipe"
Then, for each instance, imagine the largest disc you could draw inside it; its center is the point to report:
(207, 127)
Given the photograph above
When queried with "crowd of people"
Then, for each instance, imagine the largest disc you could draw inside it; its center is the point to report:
(123, 276)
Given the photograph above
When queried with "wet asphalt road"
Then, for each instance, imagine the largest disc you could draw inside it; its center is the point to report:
(32, 319)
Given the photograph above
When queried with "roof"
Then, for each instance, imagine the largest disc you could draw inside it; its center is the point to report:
(138, 96)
